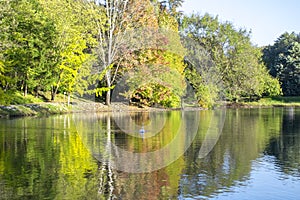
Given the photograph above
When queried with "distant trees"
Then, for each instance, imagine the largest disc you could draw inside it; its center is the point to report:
(66, 46)
(283, 61)
(236, 60)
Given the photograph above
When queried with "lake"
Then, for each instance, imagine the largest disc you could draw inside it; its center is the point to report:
(222, 154)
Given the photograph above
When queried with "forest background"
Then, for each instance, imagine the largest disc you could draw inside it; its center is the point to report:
(58, 48)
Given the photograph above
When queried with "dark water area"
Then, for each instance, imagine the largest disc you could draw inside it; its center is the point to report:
(232, 154)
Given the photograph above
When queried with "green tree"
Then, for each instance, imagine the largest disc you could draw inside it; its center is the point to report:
(134, 39)
(74, 25)
(30, 35)
(158, 76)
(282, 59)
(110, 37)
(5, 8)
(236, 60)
(171, 6)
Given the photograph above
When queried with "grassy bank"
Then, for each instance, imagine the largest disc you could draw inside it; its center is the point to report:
(41, 109)
(33, 109)
(14, 104)
(17, 98)
(273, 102)
(32, 106)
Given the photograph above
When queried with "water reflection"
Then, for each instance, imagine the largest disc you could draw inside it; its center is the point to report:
(44, 158)
(245, 135)
(50, 157)
(161, 145)
(286, 147)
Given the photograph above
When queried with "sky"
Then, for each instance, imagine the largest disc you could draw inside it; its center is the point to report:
(266, 19)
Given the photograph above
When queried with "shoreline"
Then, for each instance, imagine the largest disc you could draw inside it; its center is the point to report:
(263, 105)
(245, 106)
(52, 108)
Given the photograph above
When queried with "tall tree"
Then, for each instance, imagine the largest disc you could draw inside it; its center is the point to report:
(238, 62)
(5, 23)
(158, 65)
(111, 34)
(170, 6)
(73, 25)
(282, 59)
(129, 26)
(30, 35)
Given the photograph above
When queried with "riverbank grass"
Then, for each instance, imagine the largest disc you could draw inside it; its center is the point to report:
(276, 102)
(30, 105)
(34, 109)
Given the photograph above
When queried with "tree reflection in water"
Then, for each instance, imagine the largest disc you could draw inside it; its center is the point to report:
(50, 157)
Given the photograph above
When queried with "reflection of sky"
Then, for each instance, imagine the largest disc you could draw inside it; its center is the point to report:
(267, 19)
(266, 181)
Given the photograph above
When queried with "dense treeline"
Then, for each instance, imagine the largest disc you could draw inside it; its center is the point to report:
(44, 46)
(85, 47)
(283, 61)
(237, 62)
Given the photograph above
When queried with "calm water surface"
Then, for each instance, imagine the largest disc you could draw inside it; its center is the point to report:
(256, 156)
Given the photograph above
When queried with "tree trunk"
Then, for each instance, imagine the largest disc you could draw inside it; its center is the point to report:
(25, 89)
(108, 81)
(6, 87)
(54, 92)
(37, 92)
(107, 99)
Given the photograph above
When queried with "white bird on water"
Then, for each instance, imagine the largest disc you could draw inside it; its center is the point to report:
(142, 130)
